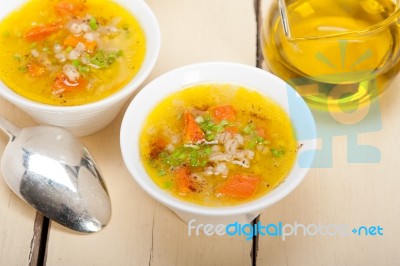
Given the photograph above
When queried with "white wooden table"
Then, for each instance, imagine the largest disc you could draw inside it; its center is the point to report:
(143, 232)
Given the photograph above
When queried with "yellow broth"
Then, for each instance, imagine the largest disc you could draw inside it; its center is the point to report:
(264, 128)
(101, 43)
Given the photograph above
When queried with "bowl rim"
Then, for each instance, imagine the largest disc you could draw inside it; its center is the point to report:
(175, 203)
(151, 30)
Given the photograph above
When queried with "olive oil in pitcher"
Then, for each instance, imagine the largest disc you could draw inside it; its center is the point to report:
(342, 53)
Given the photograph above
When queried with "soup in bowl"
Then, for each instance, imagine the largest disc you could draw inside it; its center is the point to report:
(73, 63)
(218, 142)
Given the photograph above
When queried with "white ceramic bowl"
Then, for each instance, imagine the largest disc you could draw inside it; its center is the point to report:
(89, 118)
(252, 78)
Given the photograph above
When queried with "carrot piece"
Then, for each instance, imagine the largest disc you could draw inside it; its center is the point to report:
(36, 70)
(63, 84)
(261, 132)
(66, 7)
(184, 182)
(73, 40)
(193, 132)
(231, 129)
(41, 32)
(240, 186)
(224, 112)
(157, 146)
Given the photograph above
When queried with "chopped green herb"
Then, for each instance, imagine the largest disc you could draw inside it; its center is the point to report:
(23, 69)
(218, 128)
(69, 49)
(203, 163)
(113, 56)
(249, 128)
(207, 150)
(83, 69)
(251, 144)
(162, 172)
(207, 124)
(33, 45)
(116, 54)
(99, 59)
(177, 157)
(76, 62)
(18, 57)
(199, 158)
(93, 23)
(204, 154)
(195, 156)
(167, 184)
(211, 129)
(210, 136)
(103, 60)
(260, 140)
(127, 31)
(278, 152)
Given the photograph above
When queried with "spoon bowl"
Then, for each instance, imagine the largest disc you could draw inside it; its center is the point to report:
(51, 170)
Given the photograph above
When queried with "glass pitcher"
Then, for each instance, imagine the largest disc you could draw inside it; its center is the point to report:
(340, 55)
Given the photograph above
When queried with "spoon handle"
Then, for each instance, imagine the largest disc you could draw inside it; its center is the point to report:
(284, 18)
(11, 130)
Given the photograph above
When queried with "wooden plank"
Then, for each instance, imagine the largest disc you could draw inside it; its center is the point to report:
(40, 231)
(352, 194)
(143, 232)
(19, 236)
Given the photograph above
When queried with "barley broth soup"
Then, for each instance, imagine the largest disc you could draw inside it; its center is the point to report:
(217, 144)
(70, 52)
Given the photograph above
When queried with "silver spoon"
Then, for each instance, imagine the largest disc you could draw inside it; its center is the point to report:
(284, 18)
(50, 169)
